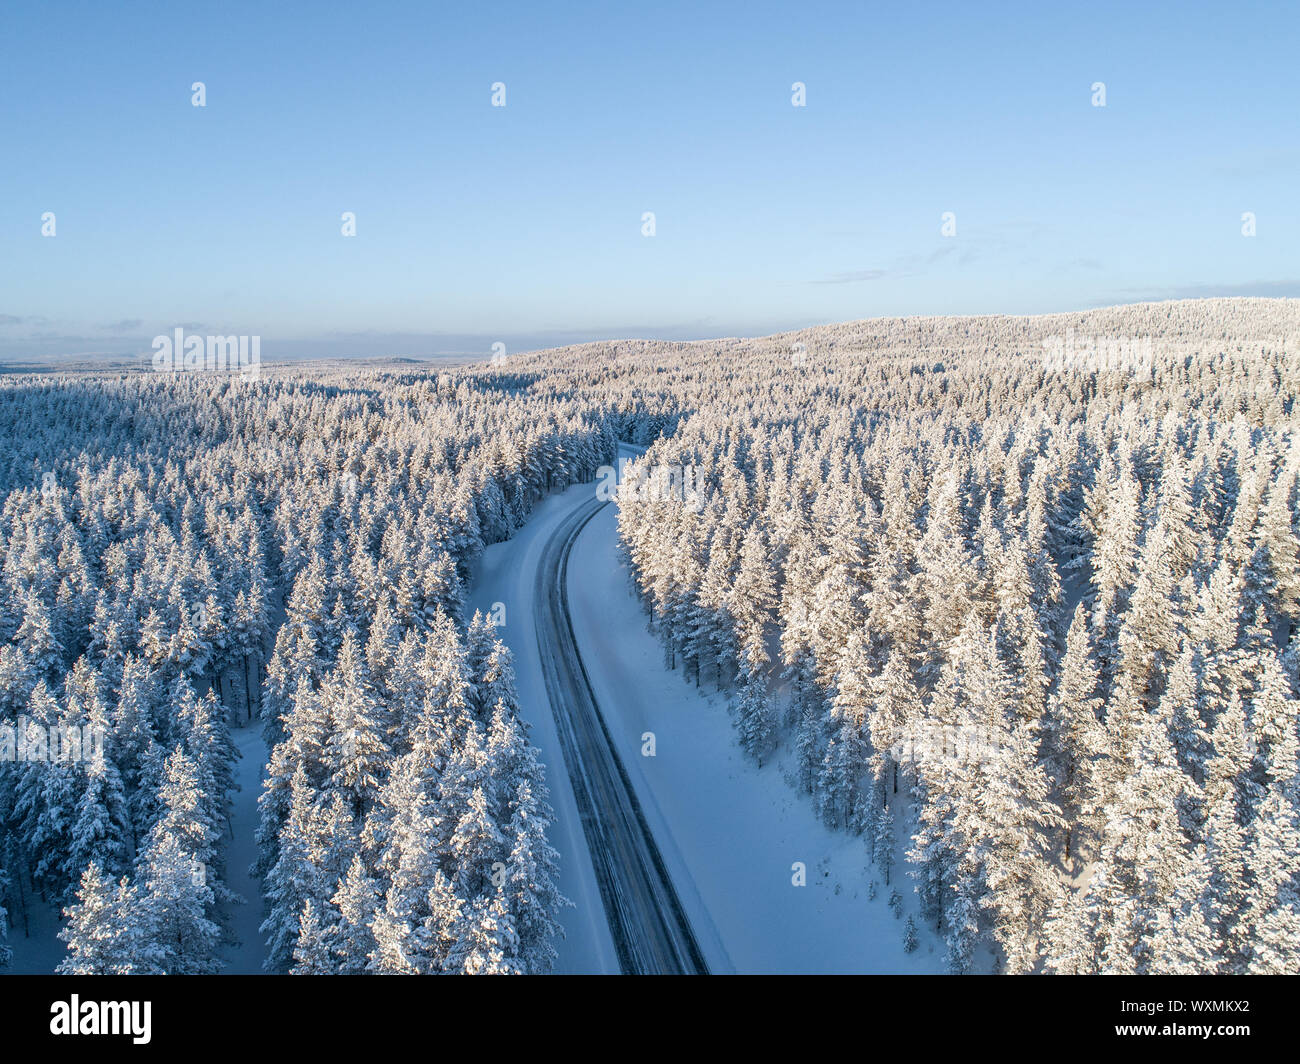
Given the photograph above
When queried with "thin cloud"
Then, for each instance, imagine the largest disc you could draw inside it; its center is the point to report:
(853, 277)
(966, 250)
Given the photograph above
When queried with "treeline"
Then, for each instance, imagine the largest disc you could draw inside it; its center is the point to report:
(1031, 616)
(1042, 625)
(404, 814)
(156, 530)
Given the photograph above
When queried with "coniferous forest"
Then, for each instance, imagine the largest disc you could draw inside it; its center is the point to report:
(1026, 626)
(183, 554)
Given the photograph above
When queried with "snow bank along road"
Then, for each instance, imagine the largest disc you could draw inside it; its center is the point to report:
(649, 926)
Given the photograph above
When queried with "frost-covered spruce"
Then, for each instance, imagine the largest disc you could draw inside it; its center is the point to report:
(933, 481)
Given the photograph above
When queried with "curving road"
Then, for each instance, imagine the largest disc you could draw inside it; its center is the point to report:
(650, 930)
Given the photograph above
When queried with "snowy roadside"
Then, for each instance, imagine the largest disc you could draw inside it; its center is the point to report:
(729, 831)
(506, 575)
(244, 955)
(35, 942)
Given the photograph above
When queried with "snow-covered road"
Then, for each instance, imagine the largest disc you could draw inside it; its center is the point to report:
(728, 833)
(245, 954)
(506, 582)
(652, 934)
(731, 833)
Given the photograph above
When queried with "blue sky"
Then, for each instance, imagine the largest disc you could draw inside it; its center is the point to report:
(523, 224)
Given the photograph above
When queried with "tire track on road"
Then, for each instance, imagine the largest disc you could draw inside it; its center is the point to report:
(651, 932)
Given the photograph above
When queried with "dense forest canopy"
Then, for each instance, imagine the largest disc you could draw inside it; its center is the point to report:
(1019, 593)
(1035, 614)
(165, 536)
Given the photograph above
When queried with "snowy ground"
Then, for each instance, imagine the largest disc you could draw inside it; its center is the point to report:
(244, 955)
(38, 951)
(738, 829)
